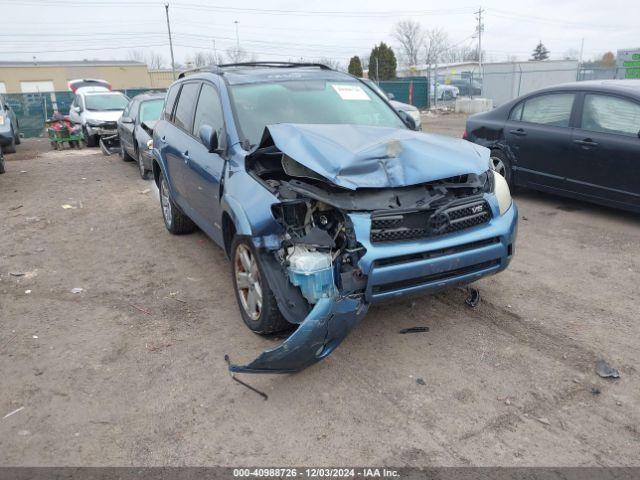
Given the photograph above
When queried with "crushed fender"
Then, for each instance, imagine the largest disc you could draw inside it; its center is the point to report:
(326, 326)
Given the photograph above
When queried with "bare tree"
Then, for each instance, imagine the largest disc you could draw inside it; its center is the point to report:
(136, 55)
(410, 36)
(155, 61)
(436, 44)
(238, 54)
(330, 62)
(460, 54)
(200, 59)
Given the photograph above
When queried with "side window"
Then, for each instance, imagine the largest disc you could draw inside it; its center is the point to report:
(169, 101)
(133, 110)
(183, 116)
(516, 113)
(209, 110)
(602, 113)
(552, 109)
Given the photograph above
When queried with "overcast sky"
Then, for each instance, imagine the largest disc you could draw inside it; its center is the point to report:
(109, 29)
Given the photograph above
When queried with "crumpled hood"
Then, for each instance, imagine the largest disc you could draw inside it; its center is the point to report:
(358, 156)
(103, 116)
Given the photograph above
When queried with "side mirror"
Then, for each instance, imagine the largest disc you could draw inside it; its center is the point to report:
(211, 139)
(390, 96)
(408, 120)
(126, 119)
(77, 109)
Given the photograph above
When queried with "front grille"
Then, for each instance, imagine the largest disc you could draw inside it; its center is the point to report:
(430, 223)
(109, 125)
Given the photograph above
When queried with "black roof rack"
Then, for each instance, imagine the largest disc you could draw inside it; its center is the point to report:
(218, 68)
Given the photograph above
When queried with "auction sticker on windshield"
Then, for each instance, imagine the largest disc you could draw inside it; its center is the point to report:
(351, 92)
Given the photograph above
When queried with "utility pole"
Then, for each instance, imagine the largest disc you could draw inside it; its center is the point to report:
(480, 29)
(237, 36)
(377, 71)
(173, 63)
(215, 52)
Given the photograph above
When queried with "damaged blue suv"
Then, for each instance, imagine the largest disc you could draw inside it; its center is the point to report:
(324, 198)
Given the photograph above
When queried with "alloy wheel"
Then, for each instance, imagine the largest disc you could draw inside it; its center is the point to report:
(141, 168)
(165, 202)
(248, 281)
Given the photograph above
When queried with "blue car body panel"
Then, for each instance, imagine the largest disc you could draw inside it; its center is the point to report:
(359, 156)
(351, 157)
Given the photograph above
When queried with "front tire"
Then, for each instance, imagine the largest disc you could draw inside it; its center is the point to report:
(2, 167)
(174, 219)
(90, 140)
(501, 164)
(123, 153)
(11, 148)
(257, 303)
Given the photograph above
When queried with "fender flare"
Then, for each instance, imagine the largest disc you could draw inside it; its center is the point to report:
(232, 207)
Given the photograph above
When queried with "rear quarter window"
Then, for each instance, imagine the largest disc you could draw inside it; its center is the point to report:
(183, 116)
(553, 109)
(169, 101)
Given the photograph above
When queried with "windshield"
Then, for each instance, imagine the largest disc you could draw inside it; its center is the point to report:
(108, 101)
(308, 101)
(151, 110)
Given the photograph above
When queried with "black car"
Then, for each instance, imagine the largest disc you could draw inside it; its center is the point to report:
(135, 128)
(467, 87)
(581, 140)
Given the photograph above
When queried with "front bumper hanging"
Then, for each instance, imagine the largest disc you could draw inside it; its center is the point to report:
(326, 326)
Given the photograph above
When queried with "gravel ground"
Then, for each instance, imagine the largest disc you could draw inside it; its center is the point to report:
(130, 371)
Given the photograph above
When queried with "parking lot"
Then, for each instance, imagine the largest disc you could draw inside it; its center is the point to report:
(130, 370)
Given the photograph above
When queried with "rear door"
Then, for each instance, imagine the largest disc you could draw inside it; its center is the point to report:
(126, 129)
(206, 168)
(539, 135)
(606, 146)
(177, 144)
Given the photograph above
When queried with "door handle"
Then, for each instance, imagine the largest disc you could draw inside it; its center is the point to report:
(519, 132)
(587, 142)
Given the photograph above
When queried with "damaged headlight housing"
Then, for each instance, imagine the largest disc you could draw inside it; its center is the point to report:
(501, 191)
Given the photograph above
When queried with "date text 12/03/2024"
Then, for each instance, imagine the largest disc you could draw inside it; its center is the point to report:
(316, 472)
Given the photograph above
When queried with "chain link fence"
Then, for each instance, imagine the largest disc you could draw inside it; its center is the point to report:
(33, 109)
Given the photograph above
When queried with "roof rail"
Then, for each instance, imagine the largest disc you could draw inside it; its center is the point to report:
(275, 65)
(205, 68)
(217, 68)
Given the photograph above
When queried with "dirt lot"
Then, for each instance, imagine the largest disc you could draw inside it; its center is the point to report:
(130, 371)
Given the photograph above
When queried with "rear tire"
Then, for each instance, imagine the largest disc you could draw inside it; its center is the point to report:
(2, 168)
(501, 164)
(174, 219)
(257, 303)
(18, 139)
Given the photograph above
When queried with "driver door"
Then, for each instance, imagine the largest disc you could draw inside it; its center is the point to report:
(205, 169)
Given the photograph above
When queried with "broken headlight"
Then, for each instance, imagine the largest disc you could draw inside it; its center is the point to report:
(502, 193)
(487, 181)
